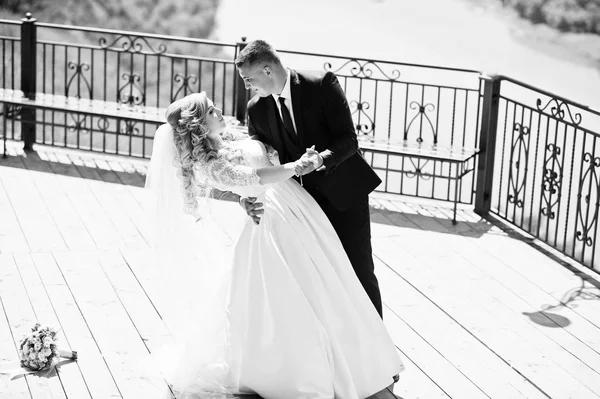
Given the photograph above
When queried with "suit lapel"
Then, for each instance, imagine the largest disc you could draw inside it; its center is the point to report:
(296, 90)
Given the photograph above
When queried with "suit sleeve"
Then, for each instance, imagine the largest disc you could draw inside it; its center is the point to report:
(340, 124)
(253, 132)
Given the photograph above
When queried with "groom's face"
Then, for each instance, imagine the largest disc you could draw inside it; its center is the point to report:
(258, 78)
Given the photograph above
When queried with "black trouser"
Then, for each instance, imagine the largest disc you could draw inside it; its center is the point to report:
(353, 227)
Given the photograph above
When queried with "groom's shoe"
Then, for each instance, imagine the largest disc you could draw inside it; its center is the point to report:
(395, 378)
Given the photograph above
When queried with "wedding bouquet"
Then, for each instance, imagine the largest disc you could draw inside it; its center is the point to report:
(38, 350)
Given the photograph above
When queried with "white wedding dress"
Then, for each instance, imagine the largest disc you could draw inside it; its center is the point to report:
(299, 323)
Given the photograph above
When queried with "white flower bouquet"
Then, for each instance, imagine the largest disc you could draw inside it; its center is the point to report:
(38, 350)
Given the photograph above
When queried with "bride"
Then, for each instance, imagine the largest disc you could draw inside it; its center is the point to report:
(287, 317)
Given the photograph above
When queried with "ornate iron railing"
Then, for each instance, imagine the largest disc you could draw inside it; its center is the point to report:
(395, 102)
(10, 54)
(134, 69)
(546, 173)
(390, 101)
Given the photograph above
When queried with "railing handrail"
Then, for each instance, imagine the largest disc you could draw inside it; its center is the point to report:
(133, 33)
(169, 55)
(9, 22)
(382, 61)
(550, 94)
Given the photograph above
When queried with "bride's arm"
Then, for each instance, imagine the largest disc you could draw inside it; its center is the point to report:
(276, 174)
(225, 175)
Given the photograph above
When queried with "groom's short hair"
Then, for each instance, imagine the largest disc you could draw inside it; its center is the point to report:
(257, 51)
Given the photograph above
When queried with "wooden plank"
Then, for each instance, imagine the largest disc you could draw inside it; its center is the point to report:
(85, 204)
(21, 318)
(134, 299)
(126, 172)
(564, 285)
(419, 358)
(476, 371)
(561, 323)
(466, 298)
(420, 150)
(132, 188)
(69, 376)
(418, 217)
(72, 228)
(115, 334)
(564, 349)
(126, 207)
(147, 274)
(12, 237)
(391, 213)
(86, 106)
(76, 329)
(18, 388)
(110, 196)
(39, 228)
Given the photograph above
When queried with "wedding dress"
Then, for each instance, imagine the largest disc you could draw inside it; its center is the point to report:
(296, 322)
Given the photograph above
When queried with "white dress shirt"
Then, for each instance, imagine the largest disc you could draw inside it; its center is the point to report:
(286, 93)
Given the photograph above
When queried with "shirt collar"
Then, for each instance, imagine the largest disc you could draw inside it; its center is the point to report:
(287, 90)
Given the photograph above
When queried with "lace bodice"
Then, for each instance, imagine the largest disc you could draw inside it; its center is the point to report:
(235, 167)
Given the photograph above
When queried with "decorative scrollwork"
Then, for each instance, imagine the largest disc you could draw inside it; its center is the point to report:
(131, 93)
(79, 124)
(363, 71)
(13, 111)
(132, 44)
(590, 182)
(363, 129)
(184, 84)
(103, 124)
(422, 113)
(552, 180)
(78, 70)
(558, 110)
(419, 170)
(129, 128)
(519, 148)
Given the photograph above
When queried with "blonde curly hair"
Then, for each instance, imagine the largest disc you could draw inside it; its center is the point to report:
(187, 117)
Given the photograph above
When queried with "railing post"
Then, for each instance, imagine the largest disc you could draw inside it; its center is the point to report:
(240, 88)
(28, 78)
(487, 144)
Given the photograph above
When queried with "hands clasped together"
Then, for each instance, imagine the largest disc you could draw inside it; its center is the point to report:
(309, 162)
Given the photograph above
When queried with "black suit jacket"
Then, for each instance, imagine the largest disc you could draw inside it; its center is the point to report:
(323, 119)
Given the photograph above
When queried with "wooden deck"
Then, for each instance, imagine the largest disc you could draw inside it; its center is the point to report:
(476, 311)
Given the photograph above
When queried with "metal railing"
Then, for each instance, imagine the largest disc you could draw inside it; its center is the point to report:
(394, 102)
(139, 71)
(390, 101)
(543, 175)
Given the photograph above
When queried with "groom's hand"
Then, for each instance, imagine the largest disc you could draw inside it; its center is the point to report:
(253, 209)
(309, 162)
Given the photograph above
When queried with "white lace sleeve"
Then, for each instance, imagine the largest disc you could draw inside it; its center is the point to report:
(222, 174)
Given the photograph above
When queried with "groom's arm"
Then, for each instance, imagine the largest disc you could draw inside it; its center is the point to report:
(339, 121)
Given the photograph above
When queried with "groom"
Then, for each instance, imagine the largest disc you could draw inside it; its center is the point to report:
(297, 110)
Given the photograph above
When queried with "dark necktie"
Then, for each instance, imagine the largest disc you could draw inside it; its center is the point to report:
(287, 118)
